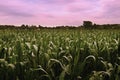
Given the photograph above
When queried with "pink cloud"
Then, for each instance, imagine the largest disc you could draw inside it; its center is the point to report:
(59, 12)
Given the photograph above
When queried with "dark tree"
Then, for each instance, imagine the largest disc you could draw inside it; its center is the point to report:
(87, 24)
(23, 26)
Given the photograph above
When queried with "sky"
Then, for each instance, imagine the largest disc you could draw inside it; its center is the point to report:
(59, 12)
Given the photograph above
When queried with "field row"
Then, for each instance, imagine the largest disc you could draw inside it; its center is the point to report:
(57, 54)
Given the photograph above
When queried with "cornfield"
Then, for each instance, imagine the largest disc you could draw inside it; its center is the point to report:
(59, 54)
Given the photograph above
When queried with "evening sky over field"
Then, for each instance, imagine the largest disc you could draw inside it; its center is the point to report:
(59, 12)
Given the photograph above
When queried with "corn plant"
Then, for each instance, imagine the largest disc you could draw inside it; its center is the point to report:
(59, 54)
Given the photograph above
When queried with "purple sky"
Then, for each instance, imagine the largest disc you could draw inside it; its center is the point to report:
(59, 12)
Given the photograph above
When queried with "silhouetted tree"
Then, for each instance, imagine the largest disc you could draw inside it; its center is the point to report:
(40, 26)
(23, 26)
(87, 24)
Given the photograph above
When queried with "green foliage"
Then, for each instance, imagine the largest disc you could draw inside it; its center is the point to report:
(59, 54)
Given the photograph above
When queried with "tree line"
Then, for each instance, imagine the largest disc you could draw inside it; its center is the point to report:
(86, 25)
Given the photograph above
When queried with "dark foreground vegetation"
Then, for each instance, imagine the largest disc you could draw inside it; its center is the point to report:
(59, 54)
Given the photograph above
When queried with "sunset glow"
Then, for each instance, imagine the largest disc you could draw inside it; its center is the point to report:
(59, 12)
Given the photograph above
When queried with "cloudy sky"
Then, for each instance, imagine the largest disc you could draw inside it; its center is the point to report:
(59, 12)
